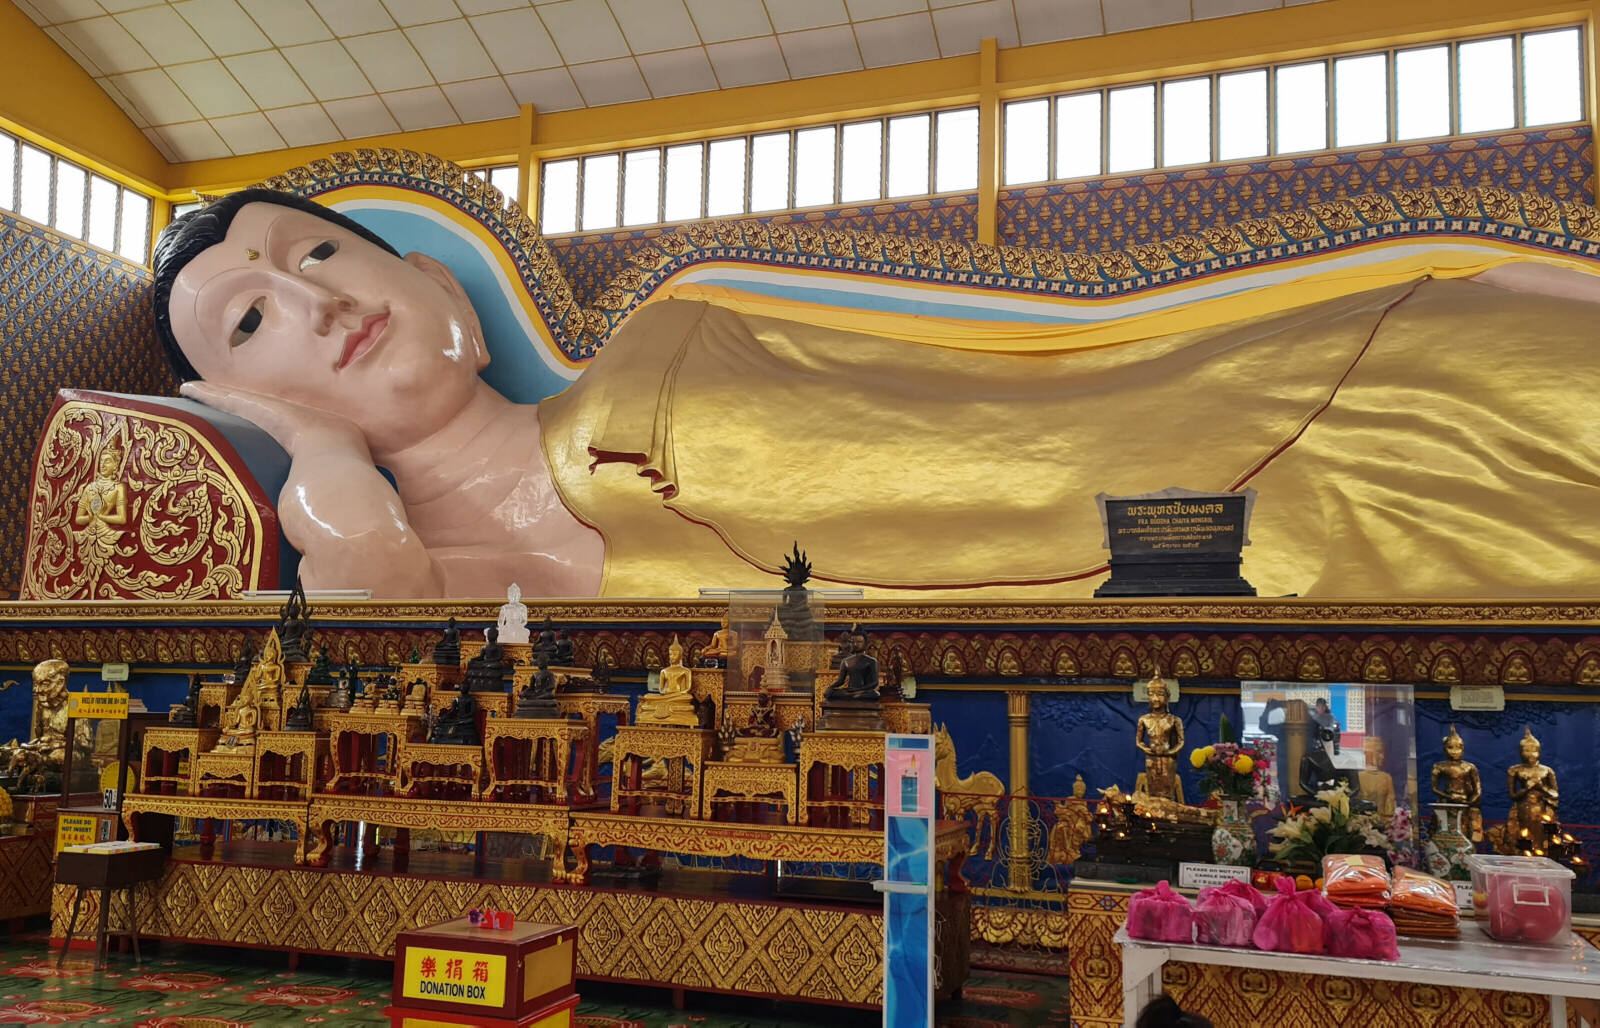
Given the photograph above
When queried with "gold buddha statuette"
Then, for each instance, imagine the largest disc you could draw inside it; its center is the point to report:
(674, 704)
(1456, 781)
(1159, 735)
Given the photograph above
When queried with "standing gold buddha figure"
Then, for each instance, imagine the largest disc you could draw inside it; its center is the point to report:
(1456, 781)
(1534, 798)
(1159, 735)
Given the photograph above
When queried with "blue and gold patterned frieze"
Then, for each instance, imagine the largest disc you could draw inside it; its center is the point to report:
(1113, 213)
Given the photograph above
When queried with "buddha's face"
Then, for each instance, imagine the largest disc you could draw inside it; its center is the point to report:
(1454, 748)
(1530, 751)
(1158, 696)
(108, 464)
(294, 307)
(674, 653)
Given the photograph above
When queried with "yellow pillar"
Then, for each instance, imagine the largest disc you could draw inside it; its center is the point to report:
(988, 142)
(160, 218)
(527, 167)
(1021, 863)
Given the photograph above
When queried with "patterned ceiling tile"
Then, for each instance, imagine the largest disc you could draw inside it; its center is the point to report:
(284, 61)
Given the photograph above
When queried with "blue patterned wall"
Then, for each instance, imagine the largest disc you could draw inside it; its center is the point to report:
(70, 316)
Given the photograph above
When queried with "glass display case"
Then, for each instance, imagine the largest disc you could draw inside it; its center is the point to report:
(1361, 735)
(100, 765)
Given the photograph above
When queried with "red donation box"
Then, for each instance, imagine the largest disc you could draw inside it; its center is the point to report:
(457, 973)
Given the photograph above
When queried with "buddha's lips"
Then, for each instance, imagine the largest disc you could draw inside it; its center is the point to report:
(357, 343)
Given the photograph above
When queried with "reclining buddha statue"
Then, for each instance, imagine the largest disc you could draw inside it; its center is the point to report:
(914, 454)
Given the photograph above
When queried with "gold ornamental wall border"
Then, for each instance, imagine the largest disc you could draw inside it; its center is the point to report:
(1558, 614)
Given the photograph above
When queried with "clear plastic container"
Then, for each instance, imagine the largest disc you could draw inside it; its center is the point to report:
(1522, 899)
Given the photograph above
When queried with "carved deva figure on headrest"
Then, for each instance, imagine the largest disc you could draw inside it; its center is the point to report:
(352, 356)
(101, 511)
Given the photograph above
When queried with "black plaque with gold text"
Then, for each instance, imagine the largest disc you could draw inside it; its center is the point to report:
(1176, 543)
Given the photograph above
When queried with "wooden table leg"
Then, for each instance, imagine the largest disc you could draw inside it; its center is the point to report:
(72, 923)
(133, 923)
(102, 942)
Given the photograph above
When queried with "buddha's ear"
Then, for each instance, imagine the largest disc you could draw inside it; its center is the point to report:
(469, 317)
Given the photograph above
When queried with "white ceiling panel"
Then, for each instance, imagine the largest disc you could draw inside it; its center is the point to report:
(248, 133)
(961, 28)
(584, 30)
(389, 61)
(675, 72)
(820, 51)
(798, 15)
(746, 62)
(210, 87)
(517, 41)
(353, 17)
(305, 125)
(224, 26)
(154, 93)
(269, 79)
(165, 36)
(107, 44)
(610, 82)
(420, 108)
(652, 25)
(360, 116)
(481, 100)
(212, 77)
(287, 22)
(420, 12)
(328, 71)
(903, 40)
(193, 141)
(452, 50)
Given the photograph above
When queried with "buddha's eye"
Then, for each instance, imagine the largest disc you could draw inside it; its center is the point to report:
(319, 253)
(249, 323)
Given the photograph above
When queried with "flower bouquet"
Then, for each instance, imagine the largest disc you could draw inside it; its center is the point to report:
(1310, 835)
(1229, 767)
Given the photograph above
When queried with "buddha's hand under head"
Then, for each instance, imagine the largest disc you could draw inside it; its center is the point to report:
(298, 429)
(336, 509)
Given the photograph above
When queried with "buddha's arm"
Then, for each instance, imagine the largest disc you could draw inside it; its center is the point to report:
(1474, 786)
(1548, 784)
(81, 516)
(342, 515)
(1512, 781)
(1141, 738)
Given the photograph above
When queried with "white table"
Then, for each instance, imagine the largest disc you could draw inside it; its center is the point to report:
(1474, 961)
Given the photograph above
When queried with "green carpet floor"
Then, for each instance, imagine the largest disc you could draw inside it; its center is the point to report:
(193, 986)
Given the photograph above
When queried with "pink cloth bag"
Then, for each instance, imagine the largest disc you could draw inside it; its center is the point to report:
(1160, 915)
(1224, 916)
(1245, 891)
(1293, 921)
(1360, 933)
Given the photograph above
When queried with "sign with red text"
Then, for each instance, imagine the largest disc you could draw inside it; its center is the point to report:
(452, 976)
